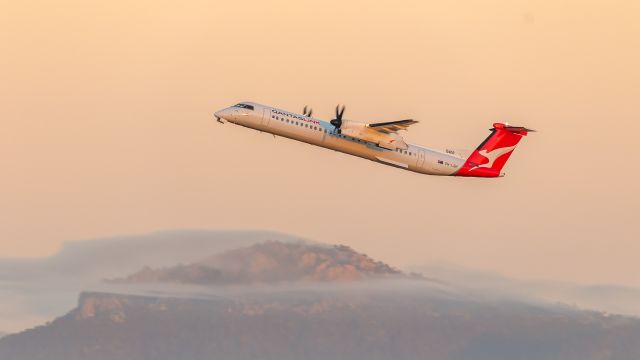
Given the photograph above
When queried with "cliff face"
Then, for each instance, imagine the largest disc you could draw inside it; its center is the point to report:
(360, 323)
(272, 262)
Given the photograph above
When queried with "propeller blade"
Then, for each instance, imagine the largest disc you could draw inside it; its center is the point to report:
(304, 111)
(337, 122)
(310, 112)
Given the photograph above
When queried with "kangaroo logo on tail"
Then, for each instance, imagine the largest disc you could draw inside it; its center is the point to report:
(492, 156)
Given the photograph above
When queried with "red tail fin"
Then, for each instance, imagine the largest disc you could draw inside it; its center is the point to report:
(489, 158)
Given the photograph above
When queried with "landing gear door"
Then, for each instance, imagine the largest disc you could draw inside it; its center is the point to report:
(266, 116)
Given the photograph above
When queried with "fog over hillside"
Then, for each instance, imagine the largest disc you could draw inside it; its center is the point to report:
(252, 294)
(294, 300)
(111, 257)
(601, 297)
(36, 290)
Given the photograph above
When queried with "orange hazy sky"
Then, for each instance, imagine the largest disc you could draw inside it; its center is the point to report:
(107, 128)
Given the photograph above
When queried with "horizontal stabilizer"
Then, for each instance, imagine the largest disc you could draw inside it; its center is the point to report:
(514, 129)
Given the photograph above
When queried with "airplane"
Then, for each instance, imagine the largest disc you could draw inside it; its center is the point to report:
(380, 141)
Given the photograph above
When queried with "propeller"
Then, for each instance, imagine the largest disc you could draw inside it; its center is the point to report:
(304, 111)
(337, 122)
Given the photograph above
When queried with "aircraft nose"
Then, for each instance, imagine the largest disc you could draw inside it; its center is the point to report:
(222, 114)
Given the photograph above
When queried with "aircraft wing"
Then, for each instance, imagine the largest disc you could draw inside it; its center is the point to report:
(392, 126)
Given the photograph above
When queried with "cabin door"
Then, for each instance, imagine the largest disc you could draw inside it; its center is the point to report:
(266, 116)
(420, 158)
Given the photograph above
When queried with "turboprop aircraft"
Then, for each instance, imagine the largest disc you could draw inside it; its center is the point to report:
(379, 141)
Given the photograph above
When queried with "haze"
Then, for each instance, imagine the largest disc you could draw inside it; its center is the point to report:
(107, 126)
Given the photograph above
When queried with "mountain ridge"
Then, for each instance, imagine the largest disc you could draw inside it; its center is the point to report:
(293, 300)
(272, 262)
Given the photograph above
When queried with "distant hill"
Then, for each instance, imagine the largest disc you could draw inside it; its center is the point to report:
(307, 301)
(272, 262)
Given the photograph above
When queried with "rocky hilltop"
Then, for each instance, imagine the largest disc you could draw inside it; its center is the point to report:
(272, 262)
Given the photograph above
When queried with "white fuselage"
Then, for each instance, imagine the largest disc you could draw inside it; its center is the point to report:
(322, 133)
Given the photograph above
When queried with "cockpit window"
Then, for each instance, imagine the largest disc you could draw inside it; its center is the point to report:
(244, 106)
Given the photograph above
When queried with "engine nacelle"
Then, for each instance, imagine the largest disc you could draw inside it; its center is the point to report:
(390, 141)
